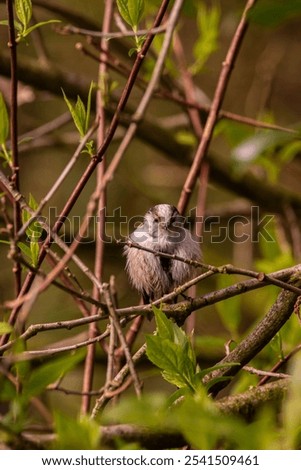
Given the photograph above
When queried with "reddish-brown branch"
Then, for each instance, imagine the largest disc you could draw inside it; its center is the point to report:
(219, 94)
(12, 44)
(99, 248)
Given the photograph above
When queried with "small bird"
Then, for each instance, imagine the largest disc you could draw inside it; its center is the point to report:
(162, 230)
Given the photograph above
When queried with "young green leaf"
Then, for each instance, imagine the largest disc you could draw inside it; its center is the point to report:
(32, 202)
(89, 148)
(171, 350)
(34, 231)
(25, 249)
(4, 121)
(75, 113)
(24, 11)
(34, 253)
(135, 8)
(80, 115)
(131, 11)
(176, 366)
(38, 25)
(164, 325)
(124, 11)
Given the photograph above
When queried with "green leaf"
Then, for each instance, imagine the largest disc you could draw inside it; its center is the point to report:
(25, 249)
(78, 112)
(34, 231)
(4, 121)
(136, 9)
(69, 104)
(89, 148)
(5, 328)
(177, 368)
(32, 202)
(23, 11)
(164, 325)
(38, 25)
(34, 253)
(48, 373)
(124, 11)
(171, 350)
(131, 11)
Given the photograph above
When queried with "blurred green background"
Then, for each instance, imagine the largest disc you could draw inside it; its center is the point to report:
(265, 84)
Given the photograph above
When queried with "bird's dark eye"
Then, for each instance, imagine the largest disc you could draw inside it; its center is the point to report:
(156, 219)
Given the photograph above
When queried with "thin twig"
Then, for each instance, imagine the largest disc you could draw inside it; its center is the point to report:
(265, 373)
(220, 90)
(68, 287)
(111, 354)
(101, 205)
(194, 116)
(117, 382)
(34, 329)
(69, 29)
(115, 319)
(186, 307)
(224, 269)
(29, 355)
(199, 302)
(223, 114)
(46, 128)
(12, 44)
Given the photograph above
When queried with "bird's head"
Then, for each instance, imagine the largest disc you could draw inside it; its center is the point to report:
(163, 222)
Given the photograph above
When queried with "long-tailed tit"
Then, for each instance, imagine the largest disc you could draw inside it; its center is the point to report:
(162, 230)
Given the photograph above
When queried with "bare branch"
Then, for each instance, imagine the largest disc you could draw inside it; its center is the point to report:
(69, 29)
(261, 335)
(117, 326)
(220, 90)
